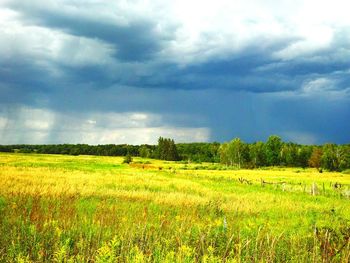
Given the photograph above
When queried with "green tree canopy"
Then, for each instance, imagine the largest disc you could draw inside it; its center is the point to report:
(273, 148)
(166, 149)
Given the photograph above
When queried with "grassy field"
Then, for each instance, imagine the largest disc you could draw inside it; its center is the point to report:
(57, 208)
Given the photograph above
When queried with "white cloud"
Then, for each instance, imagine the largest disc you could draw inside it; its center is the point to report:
(29, 125)
(3, 122)
(318, 85)
(92, 122)
(224, 28)
(24, 118)
(201, 29)
(324, 87)
(43, 45)
(142, 135)
(21, 124)
(313, 39)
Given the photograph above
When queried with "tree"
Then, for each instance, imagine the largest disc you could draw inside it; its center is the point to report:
(330, 157)
(144, 151)
(166, 149)
(223, 150)
(345, 157)
(335, 157)
(234, 153)
(273, 149)
(304, 153)
(172, 154)
(315, 158)
(289, 154)
(238, 152)
(214, 152)
(127, 159)
(198, 152)
(257, 154)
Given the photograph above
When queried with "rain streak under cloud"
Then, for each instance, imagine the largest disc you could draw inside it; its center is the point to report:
(131, 71)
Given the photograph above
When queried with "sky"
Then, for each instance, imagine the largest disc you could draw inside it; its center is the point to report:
(101, 71)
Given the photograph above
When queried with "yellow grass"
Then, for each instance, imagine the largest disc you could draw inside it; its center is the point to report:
(202, 198)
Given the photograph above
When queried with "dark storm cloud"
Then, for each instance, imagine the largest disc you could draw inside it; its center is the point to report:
(319, 116)
(21, 82)
(86, 62)
(136, 40)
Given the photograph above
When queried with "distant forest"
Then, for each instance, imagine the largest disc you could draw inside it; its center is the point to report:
(273, 152)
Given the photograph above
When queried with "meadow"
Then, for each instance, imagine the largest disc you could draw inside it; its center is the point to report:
(57, 208)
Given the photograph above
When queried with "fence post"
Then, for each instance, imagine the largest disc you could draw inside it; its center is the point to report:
(324, 189)
(283, 187)
(314, 189)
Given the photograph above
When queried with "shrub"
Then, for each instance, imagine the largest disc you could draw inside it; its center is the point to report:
(127, 159)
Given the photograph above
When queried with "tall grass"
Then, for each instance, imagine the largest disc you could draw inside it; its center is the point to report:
(96, 209)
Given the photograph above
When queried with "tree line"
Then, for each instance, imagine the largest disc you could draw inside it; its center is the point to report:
(237, 153)
(166, 149)
(275, 152)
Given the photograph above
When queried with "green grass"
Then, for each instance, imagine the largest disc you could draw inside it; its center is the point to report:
(57, 208)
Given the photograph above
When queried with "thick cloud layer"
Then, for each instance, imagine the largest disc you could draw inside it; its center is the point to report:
(198, 71)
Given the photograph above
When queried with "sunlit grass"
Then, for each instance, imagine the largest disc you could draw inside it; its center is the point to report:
(89, 208)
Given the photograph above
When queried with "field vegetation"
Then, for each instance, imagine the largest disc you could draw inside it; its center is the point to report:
(61, 208)
(273, 152)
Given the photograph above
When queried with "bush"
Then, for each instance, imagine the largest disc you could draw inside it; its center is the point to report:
(127, 159)
(347, 171)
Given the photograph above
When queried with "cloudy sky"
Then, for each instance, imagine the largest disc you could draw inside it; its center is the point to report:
(101, 71)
